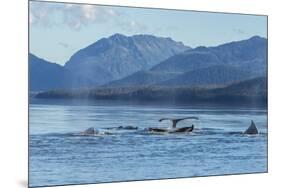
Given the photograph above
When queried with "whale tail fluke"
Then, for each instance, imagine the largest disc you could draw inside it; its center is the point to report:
(252, 129)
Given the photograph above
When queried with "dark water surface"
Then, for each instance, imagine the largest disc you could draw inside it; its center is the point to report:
(58, 155)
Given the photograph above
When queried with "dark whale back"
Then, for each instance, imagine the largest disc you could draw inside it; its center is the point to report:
(89, 131)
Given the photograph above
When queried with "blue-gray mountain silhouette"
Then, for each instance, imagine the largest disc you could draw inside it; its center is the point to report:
(245, 54)
(44, 75)
(119, 56)
(143, 60)
(103, 61)
(234, 61)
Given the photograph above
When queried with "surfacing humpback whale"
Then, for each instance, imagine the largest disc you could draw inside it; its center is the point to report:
(90, 131)
(175, 121)
(93, 131)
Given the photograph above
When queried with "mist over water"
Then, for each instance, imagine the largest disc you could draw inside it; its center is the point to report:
(58, 155)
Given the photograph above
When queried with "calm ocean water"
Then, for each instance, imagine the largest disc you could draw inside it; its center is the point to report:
(59, 156)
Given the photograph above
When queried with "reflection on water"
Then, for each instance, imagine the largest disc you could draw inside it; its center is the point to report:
(59, 156)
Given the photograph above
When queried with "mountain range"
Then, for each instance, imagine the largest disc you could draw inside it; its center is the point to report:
(231, 62)
(113, 58)
(146, 60)
(44, 75)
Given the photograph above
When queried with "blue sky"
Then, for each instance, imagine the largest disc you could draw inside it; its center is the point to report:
(58, 30)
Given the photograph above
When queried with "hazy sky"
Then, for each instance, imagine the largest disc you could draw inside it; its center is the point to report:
(58, 30)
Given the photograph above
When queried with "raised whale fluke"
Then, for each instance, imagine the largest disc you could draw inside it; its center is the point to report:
(175, 121)
(252, 129)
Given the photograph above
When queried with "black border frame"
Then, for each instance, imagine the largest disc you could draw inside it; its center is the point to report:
(152, 8)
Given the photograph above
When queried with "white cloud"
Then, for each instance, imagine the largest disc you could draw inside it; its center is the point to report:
(40, 13)
(73, 15)
(78, 16)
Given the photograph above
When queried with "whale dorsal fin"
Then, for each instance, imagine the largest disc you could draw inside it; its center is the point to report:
(252, 129)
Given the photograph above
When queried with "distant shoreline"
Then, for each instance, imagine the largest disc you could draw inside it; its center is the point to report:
(250, 92)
